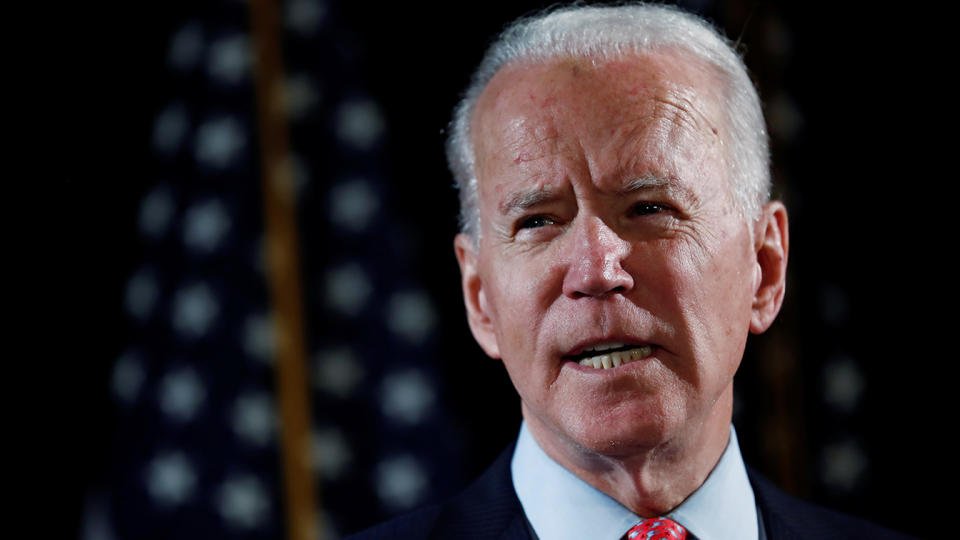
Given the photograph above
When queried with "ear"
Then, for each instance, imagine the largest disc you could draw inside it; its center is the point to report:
(474, 297)
(771, 245)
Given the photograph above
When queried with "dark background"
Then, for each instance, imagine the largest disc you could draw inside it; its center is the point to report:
(853, 138)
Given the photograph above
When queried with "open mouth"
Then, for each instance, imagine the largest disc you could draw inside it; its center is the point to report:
(610, 355)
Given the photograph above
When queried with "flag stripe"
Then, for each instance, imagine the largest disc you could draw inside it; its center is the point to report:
(283, 268)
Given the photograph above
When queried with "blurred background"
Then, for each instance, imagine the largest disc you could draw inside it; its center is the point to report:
(165, 398)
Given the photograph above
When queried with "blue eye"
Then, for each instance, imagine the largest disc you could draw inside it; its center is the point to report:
(647, 208)
(534, 222)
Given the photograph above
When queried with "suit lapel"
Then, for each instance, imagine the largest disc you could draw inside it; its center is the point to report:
(488, 508)
(518, 529)
(788, 518)
(770, 505)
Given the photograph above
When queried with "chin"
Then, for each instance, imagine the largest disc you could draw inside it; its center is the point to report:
(624, 430)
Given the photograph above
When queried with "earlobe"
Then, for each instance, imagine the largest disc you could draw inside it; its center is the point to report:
(771, 245)
(474, 296)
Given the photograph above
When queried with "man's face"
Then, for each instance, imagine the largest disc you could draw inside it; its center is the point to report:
(607, 221)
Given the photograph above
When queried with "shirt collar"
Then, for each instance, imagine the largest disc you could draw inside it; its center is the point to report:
(555, 500)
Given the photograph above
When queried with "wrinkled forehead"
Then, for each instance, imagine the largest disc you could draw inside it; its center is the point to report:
(528, 102)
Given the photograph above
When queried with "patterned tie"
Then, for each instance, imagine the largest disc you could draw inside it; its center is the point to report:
(656, 529)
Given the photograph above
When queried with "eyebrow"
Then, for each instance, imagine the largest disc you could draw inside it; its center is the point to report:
(645, 183)
(671, 185)
(524, 200)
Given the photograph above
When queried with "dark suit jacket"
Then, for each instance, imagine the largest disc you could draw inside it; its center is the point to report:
(489, 509)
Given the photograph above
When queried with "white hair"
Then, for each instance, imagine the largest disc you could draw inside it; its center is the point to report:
(611, 32)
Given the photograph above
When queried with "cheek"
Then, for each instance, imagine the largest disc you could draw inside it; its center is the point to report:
(519, 301)
(703, 294)
(521, 315)
(666, 275)
(717, 286)
(714, 267)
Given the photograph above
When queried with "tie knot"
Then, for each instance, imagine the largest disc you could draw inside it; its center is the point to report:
(656, 529)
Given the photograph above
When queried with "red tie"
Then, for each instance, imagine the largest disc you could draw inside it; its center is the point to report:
(656, 529)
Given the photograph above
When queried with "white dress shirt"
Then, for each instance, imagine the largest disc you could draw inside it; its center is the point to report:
(559, 505)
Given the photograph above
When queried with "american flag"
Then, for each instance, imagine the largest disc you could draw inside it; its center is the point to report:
(197, 451)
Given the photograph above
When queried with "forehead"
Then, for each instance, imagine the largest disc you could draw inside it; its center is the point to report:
(615, 108)
(639, 75)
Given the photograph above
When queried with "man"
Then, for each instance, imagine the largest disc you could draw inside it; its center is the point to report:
(618, 247)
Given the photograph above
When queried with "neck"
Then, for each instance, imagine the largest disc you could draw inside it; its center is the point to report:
(653, 480)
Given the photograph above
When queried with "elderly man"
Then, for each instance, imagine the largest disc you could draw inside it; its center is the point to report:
(618, 247)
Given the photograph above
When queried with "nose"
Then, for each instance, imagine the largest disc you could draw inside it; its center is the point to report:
(595, 267)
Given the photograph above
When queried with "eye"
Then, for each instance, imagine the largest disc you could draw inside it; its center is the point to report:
(534, 222)
(647, 208)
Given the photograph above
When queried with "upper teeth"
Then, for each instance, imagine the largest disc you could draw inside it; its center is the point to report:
(616, 358)
(605, 346)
